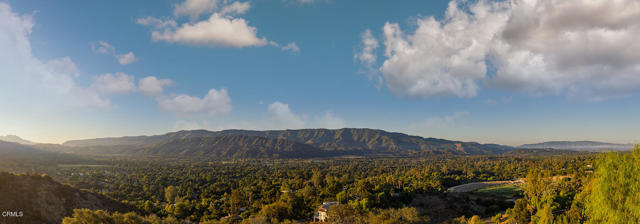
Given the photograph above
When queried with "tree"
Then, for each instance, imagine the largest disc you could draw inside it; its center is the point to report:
(395, 216)
(615, 189)
(342, 214)
(342, 197)
(170, 194)
(276, 210)
(236, 201)
(86, 216)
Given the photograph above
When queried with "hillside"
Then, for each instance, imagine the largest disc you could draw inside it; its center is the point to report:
(10, 151)
(43, 200)
(16, 139)
(346, 140)
(236, 146)
(579, 145)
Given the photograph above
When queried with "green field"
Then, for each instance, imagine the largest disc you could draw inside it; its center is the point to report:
(507, 190)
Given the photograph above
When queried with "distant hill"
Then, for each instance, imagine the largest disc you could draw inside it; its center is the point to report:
(14, 151)
(43, 200)
(579, 146)
(16, 139)
(139, 140)
(542, 152)
(340, 141)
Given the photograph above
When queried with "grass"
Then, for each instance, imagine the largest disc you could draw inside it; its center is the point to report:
(506, 190)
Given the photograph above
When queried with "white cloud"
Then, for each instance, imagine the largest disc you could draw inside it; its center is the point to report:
(223, 27)
(194, 8)
(215, 103)
(217, 31)
(278, 116)
(441, 58)
(330, 121)
(127, 58)
(235, 8)
(579, 48)
(118, 83)
(367, 57)
(152, 86)
(281, 117)
(64, 66)
(102, 47)
(293, 47)
(585, 49)
(157, 23)
(25, 78)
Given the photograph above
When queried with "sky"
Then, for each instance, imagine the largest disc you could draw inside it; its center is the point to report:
(506, 72)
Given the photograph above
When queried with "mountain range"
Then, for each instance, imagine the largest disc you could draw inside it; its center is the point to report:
(579, 146)
(303, 143)
(16, 139)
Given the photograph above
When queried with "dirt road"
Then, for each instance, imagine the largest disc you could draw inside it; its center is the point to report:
(478, 185)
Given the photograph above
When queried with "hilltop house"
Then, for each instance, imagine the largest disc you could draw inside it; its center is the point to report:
(321, 214)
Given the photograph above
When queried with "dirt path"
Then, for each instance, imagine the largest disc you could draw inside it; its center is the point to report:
(478, 185)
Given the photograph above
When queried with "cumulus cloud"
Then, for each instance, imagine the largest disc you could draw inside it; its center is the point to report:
(367, 56)
(223, 27)
(217, 31)
(441, 58)
(330, 121)
(25, 78)
(152, 86)
(128, 58)
(215, 103)
(579, 48)
(118, 83)
(293, 47)
(235, 8)
(194, 8)
(157, 23)
(64, 66)
(586, 49)
(281, 117)
(102, 47)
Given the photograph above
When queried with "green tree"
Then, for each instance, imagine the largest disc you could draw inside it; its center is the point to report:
(342, 197)
(170, 194)
(615, 189)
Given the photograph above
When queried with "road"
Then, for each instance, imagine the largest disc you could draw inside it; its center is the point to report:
(479, 185)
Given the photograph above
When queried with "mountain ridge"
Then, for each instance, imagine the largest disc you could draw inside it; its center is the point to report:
(346, 140)
(16, 139)
(578, 145)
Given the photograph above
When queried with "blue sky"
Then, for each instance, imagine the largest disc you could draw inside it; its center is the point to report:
(449, 69)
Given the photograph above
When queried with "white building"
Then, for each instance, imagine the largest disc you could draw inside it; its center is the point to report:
(321, 215)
